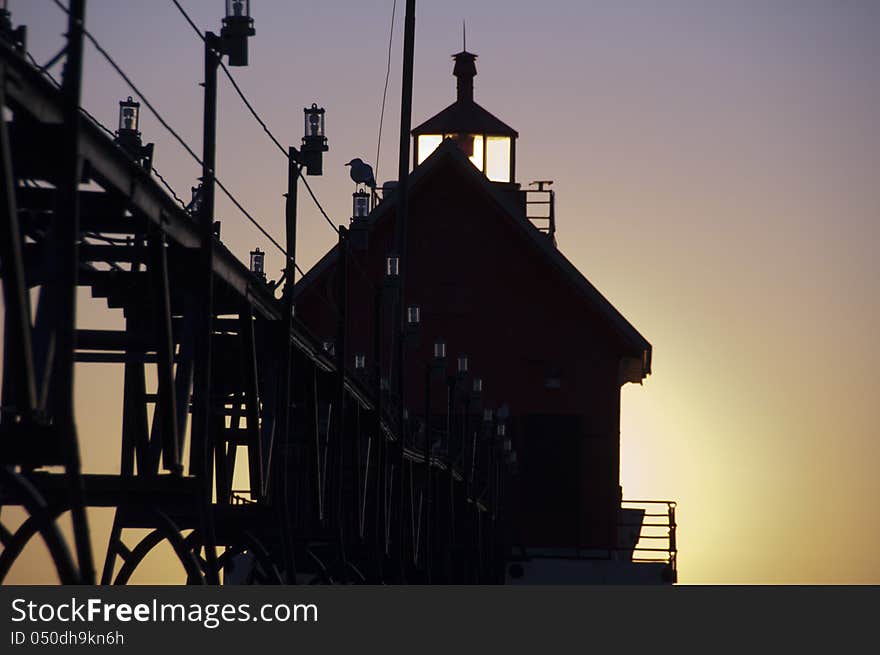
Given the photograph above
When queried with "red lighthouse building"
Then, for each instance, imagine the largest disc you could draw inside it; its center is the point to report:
(532, 347)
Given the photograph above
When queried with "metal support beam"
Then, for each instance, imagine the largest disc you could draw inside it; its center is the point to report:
(19, 381)
(65, 238)
(167, 405)
(201, 461)
(252, 404)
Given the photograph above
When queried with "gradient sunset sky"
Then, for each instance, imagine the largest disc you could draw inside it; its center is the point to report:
(717, 169)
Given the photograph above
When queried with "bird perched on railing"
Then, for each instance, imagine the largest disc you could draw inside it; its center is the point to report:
(362, 173)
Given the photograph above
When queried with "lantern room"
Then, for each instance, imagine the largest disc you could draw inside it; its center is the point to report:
(488, 142)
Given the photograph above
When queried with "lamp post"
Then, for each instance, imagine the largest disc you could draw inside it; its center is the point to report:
(340, 422)
(310, 157)
(379, 540)
(237, 28)
(473, 402)
(467, 390)
(433, 369)
(451, 390)
(400, 243)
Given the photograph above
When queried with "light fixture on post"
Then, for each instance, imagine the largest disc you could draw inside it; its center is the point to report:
(360, 363)
(330, 347)
(360, 205)
(476, 393)
(237, 27)
(360, 212)
(438, 361)
(512, 462)
(392, 271)
(258, 263)
(462, 368)
(413, 317)
(128, 134)
(314, 142)
(413, 323)
(392, 266)
(17, 37)
(129, 117)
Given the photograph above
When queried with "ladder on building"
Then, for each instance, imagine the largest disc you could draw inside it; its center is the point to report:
(540, 207)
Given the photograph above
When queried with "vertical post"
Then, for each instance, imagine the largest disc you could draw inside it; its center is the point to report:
(493, 494)
(183, 375)
(294, 170)
(19, 380)
(134, 412)
(400, 243)
(164, 352)
(465, 459)
(466, 486)
(355, 455)
(252, 403)
(381, 444)
(200, 460)
(577, 502)
(673, 545)
(450, 418)
(66, 260)
(428, 531)
(339, 431)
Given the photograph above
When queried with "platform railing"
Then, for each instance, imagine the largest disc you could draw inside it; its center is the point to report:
(655, 541)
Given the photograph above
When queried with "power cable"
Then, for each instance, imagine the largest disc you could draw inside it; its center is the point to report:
(385, 90)
(171, 130)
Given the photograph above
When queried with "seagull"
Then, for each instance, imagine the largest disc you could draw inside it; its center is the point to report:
(362, 173)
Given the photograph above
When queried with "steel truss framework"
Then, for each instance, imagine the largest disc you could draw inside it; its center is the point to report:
(328, 499)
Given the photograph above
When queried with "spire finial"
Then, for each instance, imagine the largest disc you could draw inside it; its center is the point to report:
(465, 69)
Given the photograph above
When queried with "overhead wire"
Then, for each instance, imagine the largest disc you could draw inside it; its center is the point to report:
(256, 116)
(171, 131)
(271, 136)
(189, 149)
(385, 90)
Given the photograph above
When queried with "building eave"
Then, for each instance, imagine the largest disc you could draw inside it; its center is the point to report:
(468, 117)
